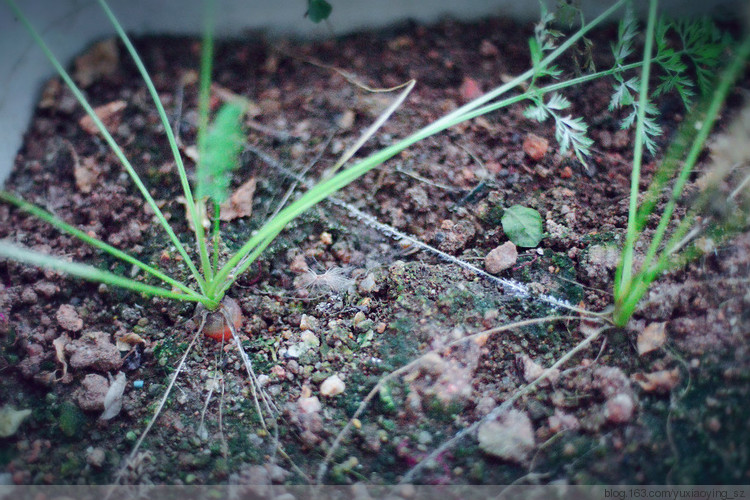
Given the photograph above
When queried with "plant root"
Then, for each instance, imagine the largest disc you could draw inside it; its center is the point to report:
(216, 324)
(500, 409)
(158, 410)
(323, 468)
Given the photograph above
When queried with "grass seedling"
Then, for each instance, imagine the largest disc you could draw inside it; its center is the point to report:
(630, 285)
(219, 142)
(218, 147)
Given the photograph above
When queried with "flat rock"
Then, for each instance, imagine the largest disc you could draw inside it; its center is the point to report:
(94, 388)
(94, 350)
(501, 258)
(510, 437)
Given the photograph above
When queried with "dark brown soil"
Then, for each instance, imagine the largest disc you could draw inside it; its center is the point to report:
(449, 191)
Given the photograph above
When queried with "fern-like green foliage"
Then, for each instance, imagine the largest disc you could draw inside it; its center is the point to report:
(570, 132)
(219, 152)
(688, 52)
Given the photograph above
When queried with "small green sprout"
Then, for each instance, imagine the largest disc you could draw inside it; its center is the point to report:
(220, 142)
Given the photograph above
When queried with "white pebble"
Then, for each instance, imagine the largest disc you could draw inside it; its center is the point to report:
(332, 386)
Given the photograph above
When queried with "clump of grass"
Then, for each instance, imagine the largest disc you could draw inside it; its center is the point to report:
(679, 162)
(219, 145)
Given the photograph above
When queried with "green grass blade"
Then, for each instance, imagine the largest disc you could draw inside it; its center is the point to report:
(94, 242)
(719, 96)
(374, 127)
(325, 188)
(107, 137)
(650, 271)
(199, 235)
(204, 98)
(467, 110)
(624, 273)
(86, 272)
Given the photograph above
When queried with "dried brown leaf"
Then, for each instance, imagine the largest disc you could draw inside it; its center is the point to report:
(661, 381)
(60, 343)
(127, 341)
(226, 95)
(109, 114)
(86, 174)
(651, 338)
(240, 204)
(113, 398)
(100, 60)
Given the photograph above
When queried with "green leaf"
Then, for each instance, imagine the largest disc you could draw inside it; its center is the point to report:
(523, 226)
(220, 151)
(536, 112)
(626, 33)
(318, 10)
(558, 102)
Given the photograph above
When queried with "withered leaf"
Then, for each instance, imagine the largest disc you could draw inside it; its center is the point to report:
(240, 204)
(661, 381)
(108, 113)
(651, 338)
(60, 343)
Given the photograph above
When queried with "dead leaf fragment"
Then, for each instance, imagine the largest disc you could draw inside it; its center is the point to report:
(86, 174)
(113, 398)
(226, 95)
(50, 94)
(100, 60)
(240, 204)
(200, 209)
(191, 152)
(60, 343)
(10, 420)
(127, 341)
(651, 338)
(109, 114)
(662, 381)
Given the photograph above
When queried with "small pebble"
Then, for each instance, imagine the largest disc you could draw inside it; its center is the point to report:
(535, 147)
(501, 258)
(510, 436)
(359, 318)
(367, 285)
(308, 322)
(470, 89)
(95, 456)
(309, 405)
(619, 408)
(332, 386)
(94, 388)
(67, 317)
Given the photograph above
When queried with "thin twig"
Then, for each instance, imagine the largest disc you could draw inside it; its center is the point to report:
(498, 410)
(323, 468)
(159, 408)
